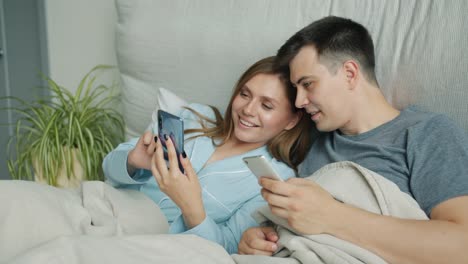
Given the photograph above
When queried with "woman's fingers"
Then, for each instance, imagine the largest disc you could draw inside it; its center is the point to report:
(148, 142)
(158, 160)
(187, 165)
(154, 169)
(172, 155)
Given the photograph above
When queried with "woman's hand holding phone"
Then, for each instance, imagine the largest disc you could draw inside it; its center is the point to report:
(140, 156)
(183, 189)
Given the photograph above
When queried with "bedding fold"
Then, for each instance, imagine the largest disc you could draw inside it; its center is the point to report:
(352, 184)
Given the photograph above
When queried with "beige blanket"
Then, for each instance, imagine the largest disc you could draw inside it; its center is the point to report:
(99, 224)
(351, 184)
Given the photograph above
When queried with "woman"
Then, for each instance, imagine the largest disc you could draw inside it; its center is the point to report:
(217, 194)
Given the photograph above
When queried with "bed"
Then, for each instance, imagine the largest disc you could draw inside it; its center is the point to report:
(171, 53)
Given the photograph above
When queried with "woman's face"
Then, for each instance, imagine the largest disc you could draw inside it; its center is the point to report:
(261, 110)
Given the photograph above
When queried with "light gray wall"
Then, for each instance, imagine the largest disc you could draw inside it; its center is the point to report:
(22, 39)
(80, 35)
(63, 39)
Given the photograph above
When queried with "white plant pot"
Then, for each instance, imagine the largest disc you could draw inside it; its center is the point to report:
(63, 180)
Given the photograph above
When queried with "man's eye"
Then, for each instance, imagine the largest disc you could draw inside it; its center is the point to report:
(268, 107)
(306, 84)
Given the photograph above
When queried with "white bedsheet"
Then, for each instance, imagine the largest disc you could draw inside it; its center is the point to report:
(126, 228)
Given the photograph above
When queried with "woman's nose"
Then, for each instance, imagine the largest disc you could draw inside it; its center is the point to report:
(249, 108)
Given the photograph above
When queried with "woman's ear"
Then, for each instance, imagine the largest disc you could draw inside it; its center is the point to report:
(294, 120)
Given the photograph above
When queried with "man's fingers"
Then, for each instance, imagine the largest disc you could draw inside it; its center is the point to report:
(300, 181)
(279, 211)
(275, 186)
(275, 199)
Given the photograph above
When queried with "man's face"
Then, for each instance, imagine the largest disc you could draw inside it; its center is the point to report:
(324, 95)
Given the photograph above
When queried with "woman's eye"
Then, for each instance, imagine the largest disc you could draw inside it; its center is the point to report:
(306, 84)
(243, 94)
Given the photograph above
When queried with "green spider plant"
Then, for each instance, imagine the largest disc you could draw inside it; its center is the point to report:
(51, 134)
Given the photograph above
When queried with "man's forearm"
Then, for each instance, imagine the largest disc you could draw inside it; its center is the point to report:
(403, 241)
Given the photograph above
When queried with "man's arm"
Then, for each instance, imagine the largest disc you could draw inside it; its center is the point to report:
(311, 210)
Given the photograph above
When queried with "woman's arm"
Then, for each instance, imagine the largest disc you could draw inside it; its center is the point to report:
(226, 234)
(118, 171)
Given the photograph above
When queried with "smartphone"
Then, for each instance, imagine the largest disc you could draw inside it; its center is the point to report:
(261, 167)
(172, 126)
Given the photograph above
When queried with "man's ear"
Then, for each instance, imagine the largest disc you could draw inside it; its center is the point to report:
(296, 118)
(351, 70)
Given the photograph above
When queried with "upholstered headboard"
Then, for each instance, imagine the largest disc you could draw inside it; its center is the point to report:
(198, 48)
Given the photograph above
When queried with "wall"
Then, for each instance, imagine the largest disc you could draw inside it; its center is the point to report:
(23, 44)
(80, 35)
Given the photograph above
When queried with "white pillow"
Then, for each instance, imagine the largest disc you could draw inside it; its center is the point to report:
(199, 48)
(169, 102)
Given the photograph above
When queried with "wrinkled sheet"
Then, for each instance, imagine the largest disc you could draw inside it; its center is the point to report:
(118, 239)
(352, 184)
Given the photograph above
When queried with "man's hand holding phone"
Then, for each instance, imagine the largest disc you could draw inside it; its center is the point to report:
(261, 167)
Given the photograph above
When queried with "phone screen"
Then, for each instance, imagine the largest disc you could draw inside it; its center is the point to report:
(172, 126)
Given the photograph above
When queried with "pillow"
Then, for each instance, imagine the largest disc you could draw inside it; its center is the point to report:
(169, 102)
(136, 115)
(199, 48)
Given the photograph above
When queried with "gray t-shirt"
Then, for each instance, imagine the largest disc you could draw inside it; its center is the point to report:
(425, 154)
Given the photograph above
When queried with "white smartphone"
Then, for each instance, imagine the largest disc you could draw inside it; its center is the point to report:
(260, 167)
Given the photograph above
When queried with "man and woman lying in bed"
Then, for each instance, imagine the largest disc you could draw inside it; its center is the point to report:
(330, 64)
(324, 72)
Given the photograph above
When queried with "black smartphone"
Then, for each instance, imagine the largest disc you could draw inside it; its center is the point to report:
(172, 126)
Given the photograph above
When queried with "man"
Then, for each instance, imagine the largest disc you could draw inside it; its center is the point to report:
(331, 64)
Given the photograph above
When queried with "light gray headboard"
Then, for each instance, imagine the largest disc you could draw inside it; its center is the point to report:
(198, 48)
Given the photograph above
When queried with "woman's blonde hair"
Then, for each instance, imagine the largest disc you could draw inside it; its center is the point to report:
(289, 146)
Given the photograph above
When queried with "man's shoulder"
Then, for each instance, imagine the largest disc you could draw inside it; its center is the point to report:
(426, 121)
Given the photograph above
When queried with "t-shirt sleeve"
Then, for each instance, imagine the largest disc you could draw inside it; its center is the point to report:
(438, 161)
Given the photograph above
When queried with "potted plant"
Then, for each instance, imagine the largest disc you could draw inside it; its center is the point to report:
(62, 140)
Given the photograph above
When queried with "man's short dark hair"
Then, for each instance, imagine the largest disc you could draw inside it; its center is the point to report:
(336, 40)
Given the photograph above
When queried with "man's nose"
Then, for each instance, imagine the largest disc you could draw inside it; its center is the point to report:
(301, 99)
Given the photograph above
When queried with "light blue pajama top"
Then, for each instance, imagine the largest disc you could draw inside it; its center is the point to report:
(230, 191)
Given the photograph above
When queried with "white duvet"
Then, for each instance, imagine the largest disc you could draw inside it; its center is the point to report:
(98, 224)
